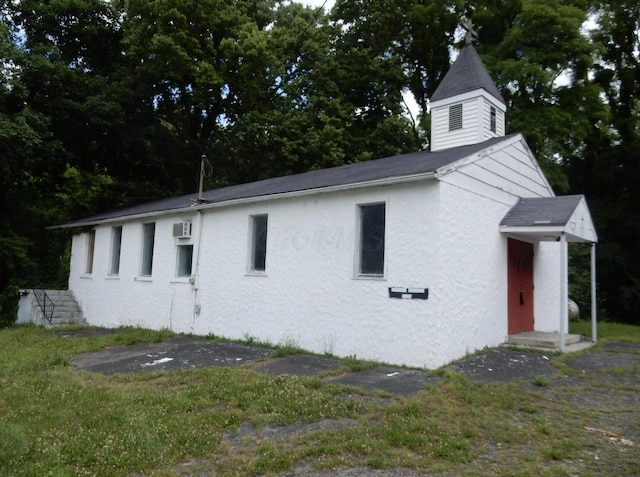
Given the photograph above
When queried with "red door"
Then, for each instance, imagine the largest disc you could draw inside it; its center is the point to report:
(520, 286)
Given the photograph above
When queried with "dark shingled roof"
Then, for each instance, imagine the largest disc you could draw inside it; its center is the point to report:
(542, 211)
(405, 165)
(466, 74)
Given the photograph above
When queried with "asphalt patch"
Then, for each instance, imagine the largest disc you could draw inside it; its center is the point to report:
(496, 365)
(503, 365)
(298, 365)
(626, 347)
(171, 355)
(624, 358)
(399, 381)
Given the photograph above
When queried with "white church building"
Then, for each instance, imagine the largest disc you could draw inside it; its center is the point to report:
(416, 259)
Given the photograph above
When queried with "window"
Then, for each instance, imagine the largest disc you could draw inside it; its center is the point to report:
(148, 238)
(372, 232)
(91, 244)
(184, 260)
(258, 253)
(492, 119)
(455, 117)
(116, 244)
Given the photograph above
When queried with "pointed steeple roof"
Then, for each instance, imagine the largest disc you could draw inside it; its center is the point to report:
(466, 74)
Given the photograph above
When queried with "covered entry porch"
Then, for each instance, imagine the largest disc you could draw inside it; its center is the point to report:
(564, 220)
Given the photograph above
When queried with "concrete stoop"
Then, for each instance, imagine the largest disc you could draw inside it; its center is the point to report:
(66, 311)
(551, 341)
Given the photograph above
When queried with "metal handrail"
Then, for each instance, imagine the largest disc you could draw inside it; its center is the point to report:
(47, 306)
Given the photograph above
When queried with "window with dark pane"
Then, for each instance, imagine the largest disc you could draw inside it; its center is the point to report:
(116, 245)
(148, 239)
(259, 243)
(91, 243)
(372, 232)
(185, 260)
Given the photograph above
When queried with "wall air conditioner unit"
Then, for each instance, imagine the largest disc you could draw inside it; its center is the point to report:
(182, 230)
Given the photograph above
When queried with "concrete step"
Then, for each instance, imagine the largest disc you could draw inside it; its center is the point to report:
(540, 339)
(66, 311)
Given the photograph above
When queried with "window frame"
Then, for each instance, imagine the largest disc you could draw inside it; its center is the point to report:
(116, 251)
(182, 270)
(146, 249)
(90, 244)
(363, 268)
(258, 242)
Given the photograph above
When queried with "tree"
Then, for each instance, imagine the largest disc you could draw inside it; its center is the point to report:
(609, 170)
(540, 60)
(54, 113)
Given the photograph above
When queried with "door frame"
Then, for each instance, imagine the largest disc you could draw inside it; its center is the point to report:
(520, 296)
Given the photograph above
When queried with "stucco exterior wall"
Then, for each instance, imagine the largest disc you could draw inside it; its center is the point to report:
(309, 294)
(128, 299)
(439, 236)
(473, 268)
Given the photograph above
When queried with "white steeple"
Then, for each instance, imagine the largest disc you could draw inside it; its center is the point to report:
(467, 107)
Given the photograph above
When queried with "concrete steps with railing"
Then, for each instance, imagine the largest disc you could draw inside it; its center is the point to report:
(65, 310)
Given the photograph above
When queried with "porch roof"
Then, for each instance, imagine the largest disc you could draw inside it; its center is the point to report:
(546, 218)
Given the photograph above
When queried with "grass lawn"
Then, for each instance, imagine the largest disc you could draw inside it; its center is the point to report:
(56, 420)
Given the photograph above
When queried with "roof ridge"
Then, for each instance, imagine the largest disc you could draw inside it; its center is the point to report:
(403, 165)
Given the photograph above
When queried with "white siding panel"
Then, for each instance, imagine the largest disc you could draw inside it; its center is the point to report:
(509, 170)
(486, 132)
(442, 138)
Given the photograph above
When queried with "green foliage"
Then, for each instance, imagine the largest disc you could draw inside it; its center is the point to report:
(580, 278)
(541, 380)
(8, 305)
(608, 331)
(539, 43)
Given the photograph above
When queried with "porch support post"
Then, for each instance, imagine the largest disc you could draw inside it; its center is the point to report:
(594, 309)
(564, 289)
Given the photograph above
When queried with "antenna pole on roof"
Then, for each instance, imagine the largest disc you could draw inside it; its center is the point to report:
(468, 26)
(203, 160)
(205, 170)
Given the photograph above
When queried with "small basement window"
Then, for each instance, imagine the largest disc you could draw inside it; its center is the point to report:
(455, 117)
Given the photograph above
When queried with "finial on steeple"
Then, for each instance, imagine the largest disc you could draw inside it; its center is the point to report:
(468, 26)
